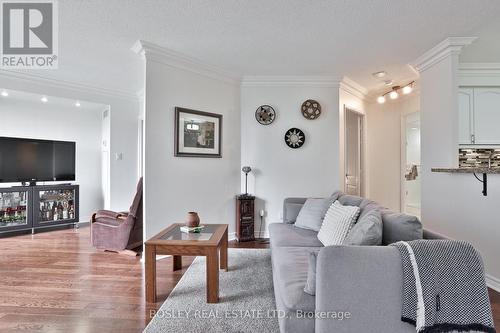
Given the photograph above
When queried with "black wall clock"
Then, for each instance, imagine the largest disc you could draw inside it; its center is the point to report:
(295, 138)
(265, 114)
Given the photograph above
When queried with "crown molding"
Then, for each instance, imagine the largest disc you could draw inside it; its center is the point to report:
(479, 74)
(354, 88)
(479, 69)
(67, 85)
(449, 46)
(152, 52)
(290, 81)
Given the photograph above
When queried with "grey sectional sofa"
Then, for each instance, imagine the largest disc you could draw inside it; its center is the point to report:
(358, 288)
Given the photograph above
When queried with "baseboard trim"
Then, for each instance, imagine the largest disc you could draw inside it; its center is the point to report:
(493, 282)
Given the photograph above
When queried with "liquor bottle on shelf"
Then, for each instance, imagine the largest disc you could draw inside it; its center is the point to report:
(71, 212)
(42, 212)
(22, 210)
(48, 211)
(55, 214)
(65, 211)
(60, 210)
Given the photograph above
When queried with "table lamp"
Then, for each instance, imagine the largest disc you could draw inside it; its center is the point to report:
(246, 170)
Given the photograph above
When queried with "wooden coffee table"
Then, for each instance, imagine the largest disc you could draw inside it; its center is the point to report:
(171, 241)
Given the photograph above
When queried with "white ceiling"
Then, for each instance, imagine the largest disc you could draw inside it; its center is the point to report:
(57, 102)
(262, 37)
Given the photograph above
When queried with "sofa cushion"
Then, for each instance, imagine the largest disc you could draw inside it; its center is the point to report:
(338, 221)
(368, 230)
(290, 265)
(292, 211)
(400, 227)
(310, 287)
(350, 200)
(283, 235)
(312, 213)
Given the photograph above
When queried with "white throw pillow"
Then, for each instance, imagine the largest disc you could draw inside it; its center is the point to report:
(337, 223)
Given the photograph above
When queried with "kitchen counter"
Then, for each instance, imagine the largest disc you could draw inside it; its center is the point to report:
(468, 170)
(484, 171)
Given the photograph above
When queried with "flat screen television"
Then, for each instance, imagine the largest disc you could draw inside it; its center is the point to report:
(32, 160)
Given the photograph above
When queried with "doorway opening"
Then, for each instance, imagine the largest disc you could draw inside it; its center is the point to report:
(353, 141)
(411, 164)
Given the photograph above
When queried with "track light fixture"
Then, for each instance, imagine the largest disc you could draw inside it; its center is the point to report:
(396, 90)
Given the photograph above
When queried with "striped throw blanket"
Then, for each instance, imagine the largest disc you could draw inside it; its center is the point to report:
(444, 289)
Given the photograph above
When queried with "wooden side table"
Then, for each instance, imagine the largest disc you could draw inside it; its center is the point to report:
(245, 218)
(211, 242)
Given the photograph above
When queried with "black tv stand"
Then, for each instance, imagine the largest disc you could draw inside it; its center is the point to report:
(31, 208)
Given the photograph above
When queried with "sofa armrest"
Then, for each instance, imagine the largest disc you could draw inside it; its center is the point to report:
(429, 234)
(107, 213)
(291, 208)
(362, 285)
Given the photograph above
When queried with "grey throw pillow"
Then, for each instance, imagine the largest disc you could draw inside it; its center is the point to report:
(313, 212)
(350, 200)
(400, 227)
(310, 287)
(367, 231)
(293, 210)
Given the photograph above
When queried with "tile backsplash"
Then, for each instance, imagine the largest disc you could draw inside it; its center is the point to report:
(478, 157)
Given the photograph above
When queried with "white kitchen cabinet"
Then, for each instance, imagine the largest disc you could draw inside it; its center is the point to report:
(465, 116)
(487, 116)
(479, 116)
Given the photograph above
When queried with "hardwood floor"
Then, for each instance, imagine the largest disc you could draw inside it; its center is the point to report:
(56, 282)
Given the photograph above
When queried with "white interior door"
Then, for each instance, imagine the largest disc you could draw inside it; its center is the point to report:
(353, 151)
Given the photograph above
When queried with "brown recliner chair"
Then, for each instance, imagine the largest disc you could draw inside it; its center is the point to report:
(119, 232)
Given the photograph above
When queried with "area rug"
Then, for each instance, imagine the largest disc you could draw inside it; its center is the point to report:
(246, 298)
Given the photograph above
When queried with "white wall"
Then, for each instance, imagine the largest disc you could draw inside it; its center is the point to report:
(176, 185)
(452, 204)
(384, 149)
(53, 122)
(124, 137)
(277, 170)
(124, 112)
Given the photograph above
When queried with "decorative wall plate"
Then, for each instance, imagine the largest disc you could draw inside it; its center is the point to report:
(265, 114)
(311, 109)
(294, 138)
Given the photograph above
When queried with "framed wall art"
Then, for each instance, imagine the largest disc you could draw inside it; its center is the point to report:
(197, 133)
